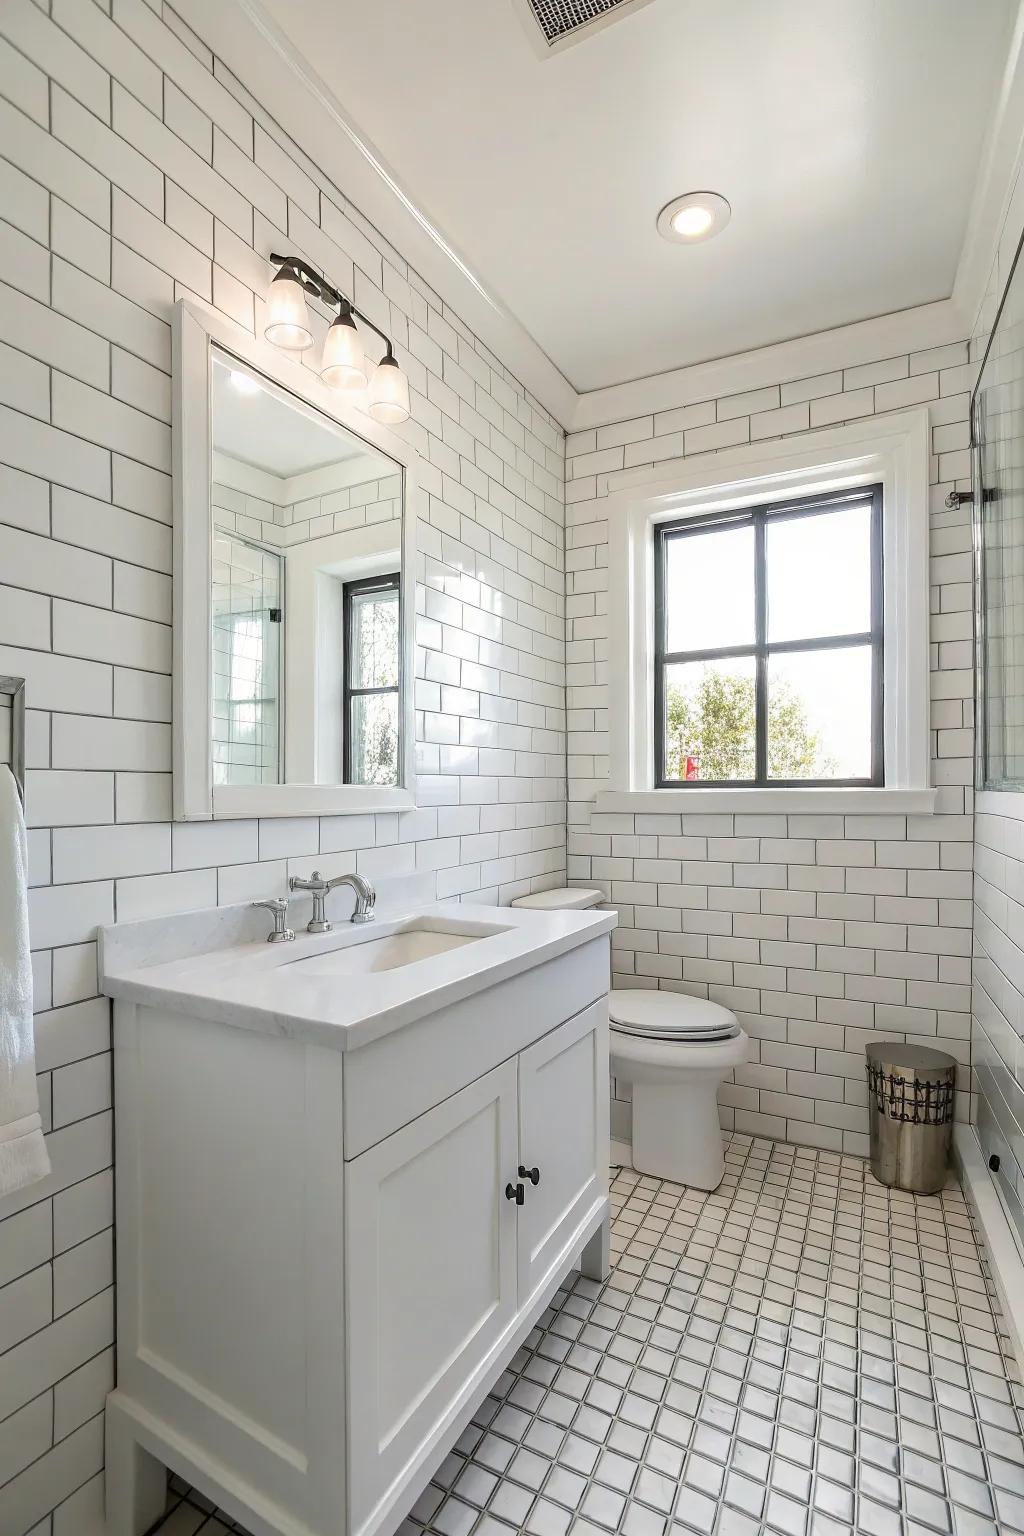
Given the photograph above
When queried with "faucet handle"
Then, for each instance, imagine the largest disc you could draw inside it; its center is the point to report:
(278, 905)
(315, 883)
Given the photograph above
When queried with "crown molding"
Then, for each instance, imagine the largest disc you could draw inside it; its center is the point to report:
(245, 38)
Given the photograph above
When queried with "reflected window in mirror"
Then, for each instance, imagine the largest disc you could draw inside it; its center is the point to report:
(371, 610)
(306, 615)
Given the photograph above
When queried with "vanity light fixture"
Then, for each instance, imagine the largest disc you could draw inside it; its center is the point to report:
(343, 364)
(694, 216)
(389, 392)
(287, 316)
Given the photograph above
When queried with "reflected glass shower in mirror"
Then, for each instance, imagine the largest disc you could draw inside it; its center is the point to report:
(306, 611)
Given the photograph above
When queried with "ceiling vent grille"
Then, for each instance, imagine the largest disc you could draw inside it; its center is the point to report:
(562, 22)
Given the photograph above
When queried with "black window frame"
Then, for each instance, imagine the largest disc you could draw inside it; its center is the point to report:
(758, 517)
(391, 582)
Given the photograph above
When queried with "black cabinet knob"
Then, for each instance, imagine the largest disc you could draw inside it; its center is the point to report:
(515, 1192)
(533, 1174)
(993, 1163)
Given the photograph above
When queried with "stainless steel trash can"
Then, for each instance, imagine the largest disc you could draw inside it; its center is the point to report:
(910, 1106)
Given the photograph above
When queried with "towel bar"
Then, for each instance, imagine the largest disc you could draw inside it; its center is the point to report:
(14, 687)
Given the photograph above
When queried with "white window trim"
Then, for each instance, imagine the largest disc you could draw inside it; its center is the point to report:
(893, 450)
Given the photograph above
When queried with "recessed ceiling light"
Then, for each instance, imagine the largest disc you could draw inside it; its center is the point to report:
(694, 216)
(244, 382)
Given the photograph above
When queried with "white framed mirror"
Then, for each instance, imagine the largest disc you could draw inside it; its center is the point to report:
(294, 588)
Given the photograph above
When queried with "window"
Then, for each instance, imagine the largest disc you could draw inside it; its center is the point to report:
(768, 644)
(371, 640)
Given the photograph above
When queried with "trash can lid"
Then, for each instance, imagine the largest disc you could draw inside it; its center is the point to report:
(921, 1058)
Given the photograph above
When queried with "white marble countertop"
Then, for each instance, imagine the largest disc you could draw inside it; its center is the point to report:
(208, 965)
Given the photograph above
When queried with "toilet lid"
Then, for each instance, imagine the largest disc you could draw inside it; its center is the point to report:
(562, 899)
(669, 1016)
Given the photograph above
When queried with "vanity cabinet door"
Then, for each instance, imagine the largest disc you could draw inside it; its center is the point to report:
(563, 1135)
(431, 1277)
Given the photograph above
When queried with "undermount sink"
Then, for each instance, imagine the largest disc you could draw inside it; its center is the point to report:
(406, 947)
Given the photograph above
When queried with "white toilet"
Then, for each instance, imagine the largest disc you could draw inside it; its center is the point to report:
(675, 1050)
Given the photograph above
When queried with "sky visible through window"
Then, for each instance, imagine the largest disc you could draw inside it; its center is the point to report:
(818, 574)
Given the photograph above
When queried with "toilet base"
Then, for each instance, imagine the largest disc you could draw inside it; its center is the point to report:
(676, 1132)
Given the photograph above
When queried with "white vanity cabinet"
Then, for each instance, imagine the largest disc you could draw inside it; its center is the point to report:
(309, 1310)
(442, 1254)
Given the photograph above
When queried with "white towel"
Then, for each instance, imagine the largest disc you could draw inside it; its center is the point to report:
(23, 1154)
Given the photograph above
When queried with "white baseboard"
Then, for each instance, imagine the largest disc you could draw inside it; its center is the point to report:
(1002, 1249)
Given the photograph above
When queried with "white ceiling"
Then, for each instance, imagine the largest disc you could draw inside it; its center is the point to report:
(847, 134)
(262, 429)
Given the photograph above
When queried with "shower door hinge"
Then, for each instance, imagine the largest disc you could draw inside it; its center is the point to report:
(957, 499)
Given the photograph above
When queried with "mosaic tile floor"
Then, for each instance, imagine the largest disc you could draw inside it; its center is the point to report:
(802, 1352)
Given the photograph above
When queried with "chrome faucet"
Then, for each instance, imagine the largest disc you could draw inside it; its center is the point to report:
(366, 896)
(278, 905)
(319, 889)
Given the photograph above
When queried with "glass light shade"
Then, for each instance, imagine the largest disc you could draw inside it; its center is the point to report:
(344, 361)
(287, 320)
(389, 394)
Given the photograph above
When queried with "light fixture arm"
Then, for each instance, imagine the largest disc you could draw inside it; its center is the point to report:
(320, 288)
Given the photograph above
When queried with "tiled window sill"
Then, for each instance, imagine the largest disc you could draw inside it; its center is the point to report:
(784, 802)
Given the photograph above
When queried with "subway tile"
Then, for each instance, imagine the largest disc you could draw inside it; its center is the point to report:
(155, 895)
(109, 530)
(848, 406)
(56, 167)
(103, 635)
(91, 414)
(167, 51)
(56, 52)
(69, 914)
(110, 314)
(79, 241)
(180, 162)
(24, 86)
(81, 1395)
(81, 742)
(55, 798)
(40, 564)
(104, 852)
(110, 47)
(60, 682)
(41, 449)
(149, 237)
(50, 338)
(68, 1465)
(113, 156)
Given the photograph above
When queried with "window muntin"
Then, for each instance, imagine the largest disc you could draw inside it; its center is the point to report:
(371, 680)
(783, 686)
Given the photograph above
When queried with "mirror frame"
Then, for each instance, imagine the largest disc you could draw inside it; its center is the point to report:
(194, 333)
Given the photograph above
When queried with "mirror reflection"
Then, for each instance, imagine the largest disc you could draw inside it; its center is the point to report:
(306, 614)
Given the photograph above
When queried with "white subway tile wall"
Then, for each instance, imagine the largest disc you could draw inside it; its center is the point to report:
(134, 176)
(822, 932)
(998, 990)
(998, 998)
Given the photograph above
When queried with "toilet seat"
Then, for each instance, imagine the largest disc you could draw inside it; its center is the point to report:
(670, 1016)
(563, 898)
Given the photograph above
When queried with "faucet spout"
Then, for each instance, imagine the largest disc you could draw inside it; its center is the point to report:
(366, 896)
